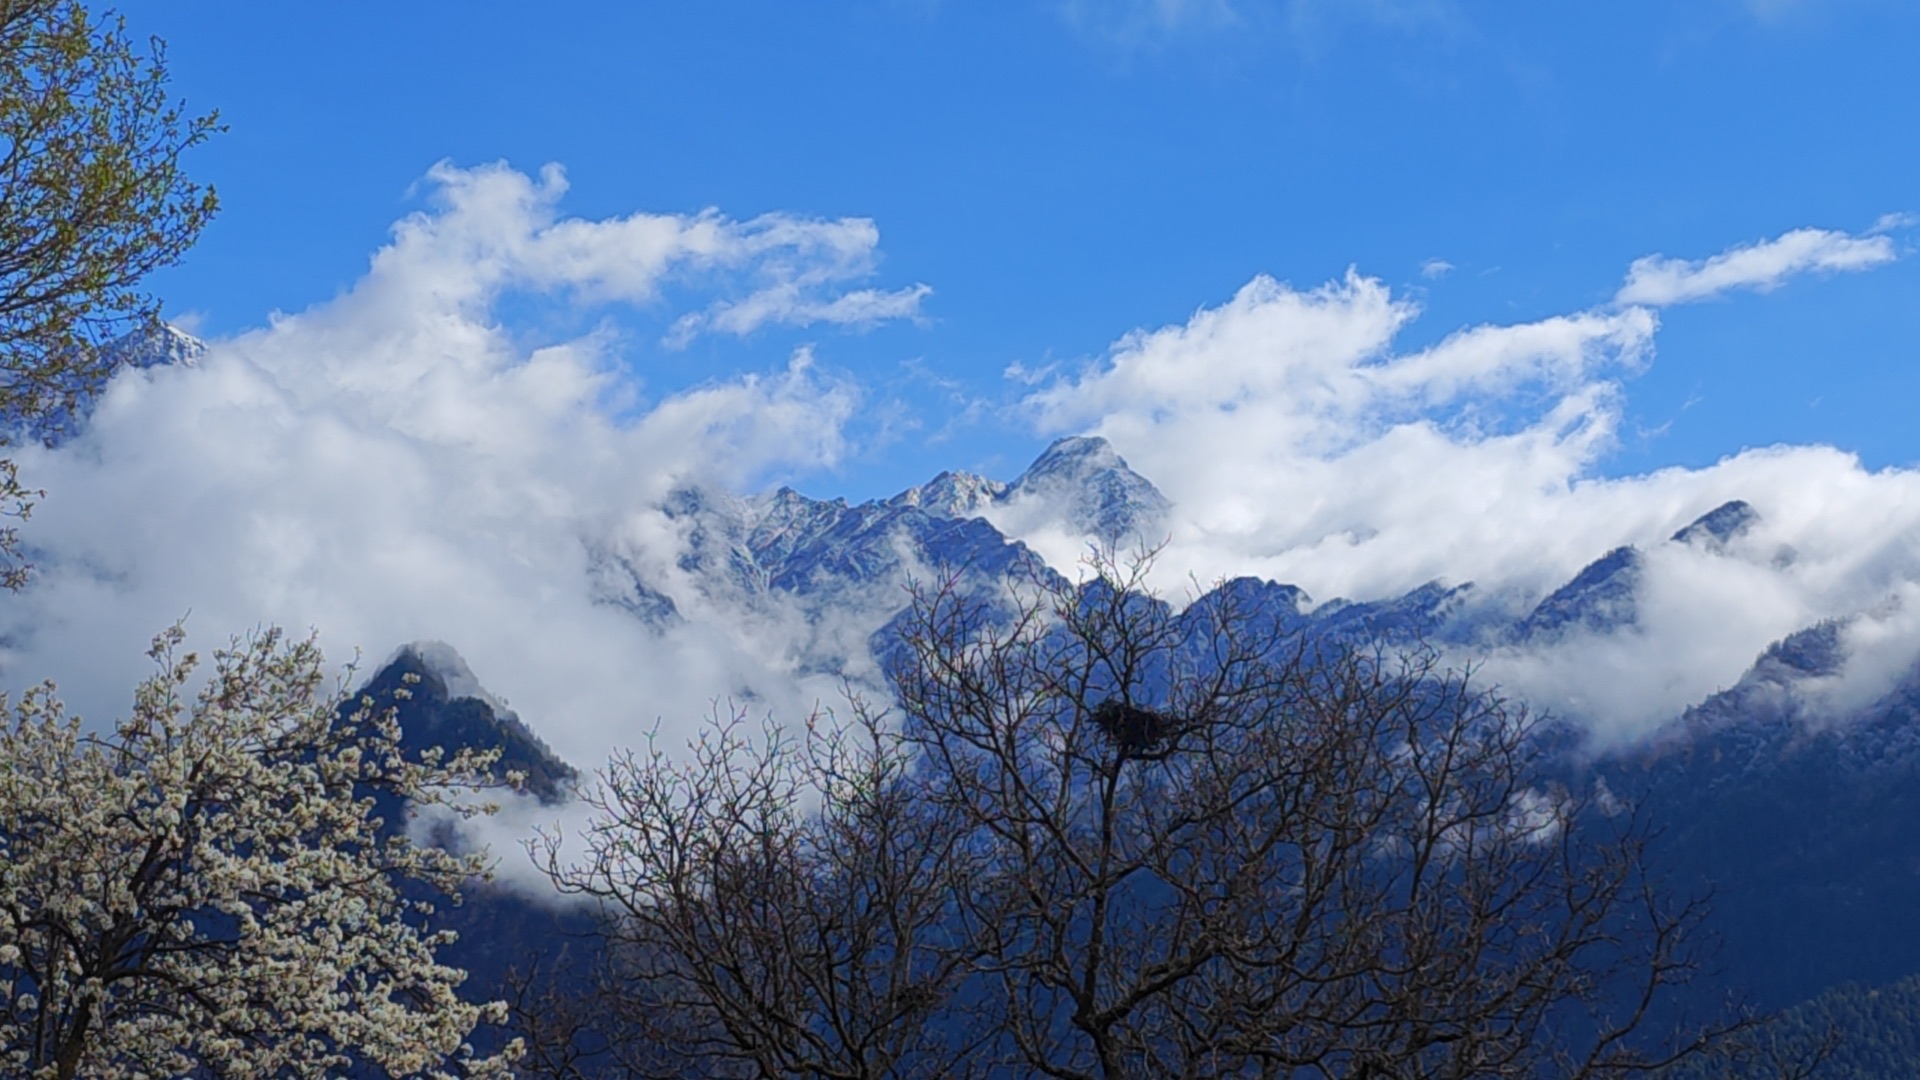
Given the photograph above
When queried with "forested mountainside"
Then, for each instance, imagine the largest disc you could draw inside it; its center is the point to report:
(1850, 1032)
(1802, 834)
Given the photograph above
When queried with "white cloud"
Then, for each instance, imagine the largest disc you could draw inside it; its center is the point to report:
(788, 305)
(395, 464)
(1434, 269)
(1298, 444)
(1893, 222)
(1658, 281)
(494, 225)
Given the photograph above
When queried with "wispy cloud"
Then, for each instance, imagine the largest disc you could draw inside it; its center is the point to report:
(494, 228)
(1894, 222)
(789, 304)
(1658, 281)
(1306, 24)
(1136, 23)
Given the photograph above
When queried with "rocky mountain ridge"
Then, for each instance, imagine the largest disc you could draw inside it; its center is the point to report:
(831, 557)
(1804, 818)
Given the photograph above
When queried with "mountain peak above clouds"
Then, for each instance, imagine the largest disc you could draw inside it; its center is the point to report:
(1601, 597)
(1075, 455)
(445, 706)
(1079, 485)
(163, 344)
(1718, 527)
(953, 494)
(160, 345)
(1090, 489)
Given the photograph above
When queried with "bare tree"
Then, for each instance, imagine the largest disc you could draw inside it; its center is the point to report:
(777, 907)
(1763, 1052)
(1102, 838)
(1215, 849)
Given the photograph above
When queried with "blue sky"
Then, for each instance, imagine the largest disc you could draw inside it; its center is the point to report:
(1061, 173)
(1379, 293)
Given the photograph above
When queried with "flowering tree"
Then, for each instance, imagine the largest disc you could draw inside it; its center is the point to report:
(92, 200)
(207, 889)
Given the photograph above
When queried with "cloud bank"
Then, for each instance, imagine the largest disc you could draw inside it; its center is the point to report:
(397, 464)
(1298, 444)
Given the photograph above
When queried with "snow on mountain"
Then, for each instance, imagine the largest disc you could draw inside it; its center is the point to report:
(445, 706)
(1800, 803)
(832, 560)
(953, 494)
(786, 542)
(161, 346)
(1601, 597)
(1433, 612)
(1081, 486)
(828, 574)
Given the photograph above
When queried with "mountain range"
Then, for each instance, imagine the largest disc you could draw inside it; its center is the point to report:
(1801, 823)
(1800, 815)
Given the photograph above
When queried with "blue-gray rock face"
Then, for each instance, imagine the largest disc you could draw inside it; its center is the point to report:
(1718, 527)
(1603, 596)
(1808, 823)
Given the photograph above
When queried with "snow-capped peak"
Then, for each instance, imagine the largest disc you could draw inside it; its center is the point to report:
(1088, 487)
(952, 494)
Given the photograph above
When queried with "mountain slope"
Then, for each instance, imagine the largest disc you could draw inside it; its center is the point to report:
(1803, 814)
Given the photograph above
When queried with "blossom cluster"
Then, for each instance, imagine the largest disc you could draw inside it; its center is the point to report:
(210, 887)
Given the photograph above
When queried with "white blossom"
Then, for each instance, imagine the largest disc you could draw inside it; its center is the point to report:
(207, 889)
